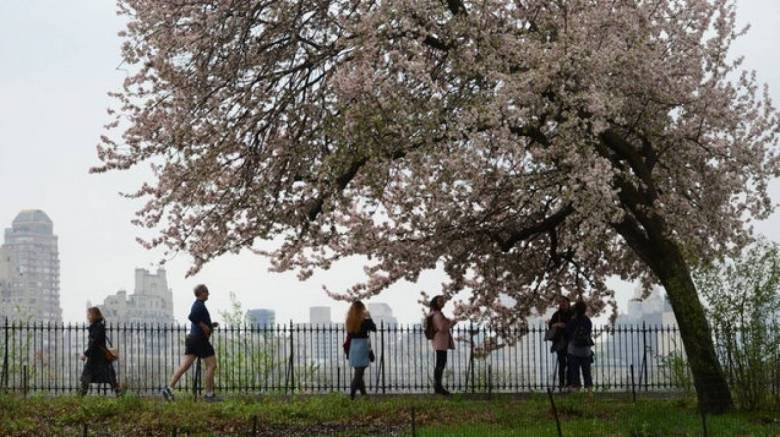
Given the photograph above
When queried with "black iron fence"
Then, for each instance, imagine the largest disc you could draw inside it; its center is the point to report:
(309, 358)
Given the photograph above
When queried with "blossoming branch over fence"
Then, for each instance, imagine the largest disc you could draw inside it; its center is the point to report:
(309, 358)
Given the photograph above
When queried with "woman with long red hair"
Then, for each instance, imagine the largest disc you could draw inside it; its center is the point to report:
(358, 325)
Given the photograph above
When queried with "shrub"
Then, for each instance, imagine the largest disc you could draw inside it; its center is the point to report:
(743, 297)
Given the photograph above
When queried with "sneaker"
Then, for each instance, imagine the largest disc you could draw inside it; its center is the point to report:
(167, 393)
(211, 398)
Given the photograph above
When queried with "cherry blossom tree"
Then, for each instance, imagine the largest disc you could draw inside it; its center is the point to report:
(527, 148)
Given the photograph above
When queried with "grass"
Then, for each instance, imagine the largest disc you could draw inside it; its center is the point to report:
(337, 415)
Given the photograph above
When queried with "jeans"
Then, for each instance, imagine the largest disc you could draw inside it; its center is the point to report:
(576, 363)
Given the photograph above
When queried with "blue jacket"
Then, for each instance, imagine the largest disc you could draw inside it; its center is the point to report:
(199, 313)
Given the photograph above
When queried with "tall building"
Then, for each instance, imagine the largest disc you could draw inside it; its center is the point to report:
(382, 314)
(150, 303)
(261, 317)
(30, 269)
(654, 310)
(319, 315)
(6, 269)
(322, 334)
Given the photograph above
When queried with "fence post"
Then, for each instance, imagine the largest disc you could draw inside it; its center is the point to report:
(254, 425)
(382, 358)
(555, 412)
(414, 423)
(24, 380)
(633, 386)
(490, 380)
(291, 368)
(644, 355)
(703, 421)
(84, 430)
(471, 355)
(5, 356)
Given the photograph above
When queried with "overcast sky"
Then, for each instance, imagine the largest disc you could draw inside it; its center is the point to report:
(58, 59)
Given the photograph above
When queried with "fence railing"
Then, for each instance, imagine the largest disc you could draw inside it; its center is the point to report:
(308, 358)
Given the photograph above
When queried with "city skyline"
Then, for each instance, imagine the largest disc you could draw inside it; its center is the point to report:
(51, 116)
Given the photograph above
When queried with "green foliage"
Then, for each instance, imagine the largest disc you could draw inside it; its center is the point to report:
(255, 356)
(235, 315)
(335, 414)
(743, 297)
(677, 366)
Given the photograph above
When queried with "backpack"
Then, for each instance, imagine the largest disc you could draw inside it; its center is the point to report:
(581, 336)
(430, 329)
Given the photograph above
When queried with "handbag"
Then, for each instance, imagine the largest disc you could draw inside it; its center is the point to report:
(110, 354)
(549, 335)
(371, 356)
(347, 344)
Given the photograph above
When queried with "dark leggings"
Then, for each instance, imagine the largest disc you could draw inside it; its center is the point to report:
(438, 371)
(562, 374)
(357, 382)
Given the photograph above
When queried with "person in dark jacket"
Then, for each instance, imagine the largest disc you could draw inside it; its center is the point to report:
(197, 345)
(559, 344)
(579, 334)
(97, 368)
(358, 325)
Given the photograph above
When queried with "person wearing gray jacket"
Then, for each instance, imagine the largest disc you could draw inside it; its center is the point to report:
(579, 354)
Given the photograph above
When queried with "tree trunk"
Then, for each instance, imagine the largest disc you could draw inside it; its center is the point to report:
(672, 270)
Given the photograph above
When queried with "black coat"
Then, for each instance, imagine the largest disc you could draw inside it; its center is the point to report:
(97, 368)
(560, 341)
(365, 326)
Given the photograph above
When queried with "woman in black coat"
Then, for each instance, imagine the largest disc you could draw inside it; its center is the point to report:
(97, 368)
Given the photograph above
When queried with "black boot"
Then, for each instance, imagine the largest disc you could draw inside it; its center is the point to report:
(362, 387)
(353, 387)
(438, 387)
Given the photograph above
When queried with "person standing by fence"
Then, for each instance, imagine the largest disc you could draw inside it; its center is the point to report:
(438, 328)
(360, 355)
(98, 367)
(197, 345)
(557, 327)
(580, 356)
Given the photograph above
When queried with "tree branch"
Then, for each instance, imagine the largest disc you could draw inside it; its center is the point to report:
(546, 225)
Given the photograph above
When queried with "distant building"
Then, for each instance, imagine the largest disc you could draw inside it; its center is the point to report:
(150, 303)
(261, 317)
(6, 271)
(30, 269)
(323, 335)
(654, 310)
(382, 314)
(319, 315)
